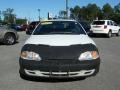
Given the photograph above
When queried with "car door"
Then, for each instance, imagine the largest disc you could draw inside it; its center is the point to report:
(116, 27)
(112, 27)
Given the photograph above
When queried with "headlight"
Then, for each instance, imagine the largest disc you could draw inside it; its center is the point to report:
(29, 55)
(89, 55)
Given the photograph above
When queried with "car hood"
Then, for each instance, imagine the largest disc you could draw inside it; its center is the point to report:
(59, 40)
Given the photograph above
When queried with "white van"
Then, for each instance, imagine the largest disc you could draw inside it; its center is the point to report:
(59, 49)
(107, 27)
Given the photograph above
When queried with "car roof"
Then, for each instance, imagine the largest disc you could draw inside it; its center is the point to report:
(59, 20)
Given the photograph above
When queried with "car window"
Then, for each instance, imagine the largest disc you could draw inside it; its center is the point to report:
(32, 25)
(115, 24)
(98, 22)
(108, 23)
(111, 23)
(59, 27)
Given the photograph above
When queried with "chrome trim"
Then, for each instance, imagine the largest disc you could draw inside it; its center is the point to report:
(59, 74)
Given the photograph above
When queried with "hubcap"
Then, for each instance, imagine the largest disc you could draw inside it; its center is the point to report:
(10, 40)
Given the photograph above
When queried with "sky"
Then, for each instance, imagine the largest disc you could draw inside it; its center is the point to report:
(29, 8)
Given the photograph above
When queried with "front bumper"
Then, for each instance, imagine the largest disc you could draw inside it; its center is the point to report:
(62, 69)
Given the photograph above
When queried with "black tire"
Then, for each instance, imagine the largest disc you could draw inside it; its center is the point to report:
(118, 34)
(9, 39)
(109, 35)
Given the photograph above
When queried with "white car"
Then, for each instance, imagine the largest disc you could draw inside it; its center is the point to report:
(59, 49)
(107, 27)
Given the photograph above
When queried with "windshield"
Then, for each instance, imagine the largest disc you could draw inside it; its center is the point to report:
(98, 22)
(58, 27)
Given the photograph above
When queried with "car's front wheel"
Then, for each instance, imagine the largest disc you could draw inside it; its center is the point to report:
(9, 39)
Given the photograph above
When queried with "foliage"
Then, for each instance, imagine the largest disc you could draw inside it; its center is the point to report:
(9, 16)
(21, 21)
(62, 14)
(92, 11)
(117, 8)
(107, 11)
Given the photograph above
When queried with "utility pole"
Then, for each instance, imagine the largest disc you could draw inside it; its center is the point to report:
(67, 9)
(39, 13)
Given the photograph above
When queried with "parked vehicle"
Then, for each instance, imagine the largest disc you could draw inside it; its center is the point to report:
(7, 35)
(107, 27)
(15, 27)
(59, 49)
(31, 27)
(24, 27)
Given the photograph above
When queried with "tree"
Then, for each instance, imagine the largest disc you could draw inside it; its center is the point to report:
(107, 11)
(21, 21)
(100, 14)
(72, 13)
(116, 16)
(75, 12)
(62, 14)
(89, 12)
(117, 8)
(84, 13)
(9, 16)
(92, 11)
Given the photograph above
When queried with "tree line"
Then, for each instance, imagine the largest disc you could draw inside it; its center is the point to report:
(92, 12)
(9, 17)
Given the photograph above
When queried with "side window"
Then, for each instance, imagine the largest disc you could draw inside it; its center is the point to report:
(111, 23)
(115, 24)
(108, 22)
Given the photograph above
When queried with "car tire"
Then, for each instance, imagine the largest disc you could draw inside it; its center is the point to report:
(9, 39)
(109, 35)
(118, 34)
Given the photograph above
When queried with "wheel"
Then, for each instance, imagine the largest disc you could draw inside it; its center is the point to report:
(9, 39)
(118, 34)
(109, 34)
